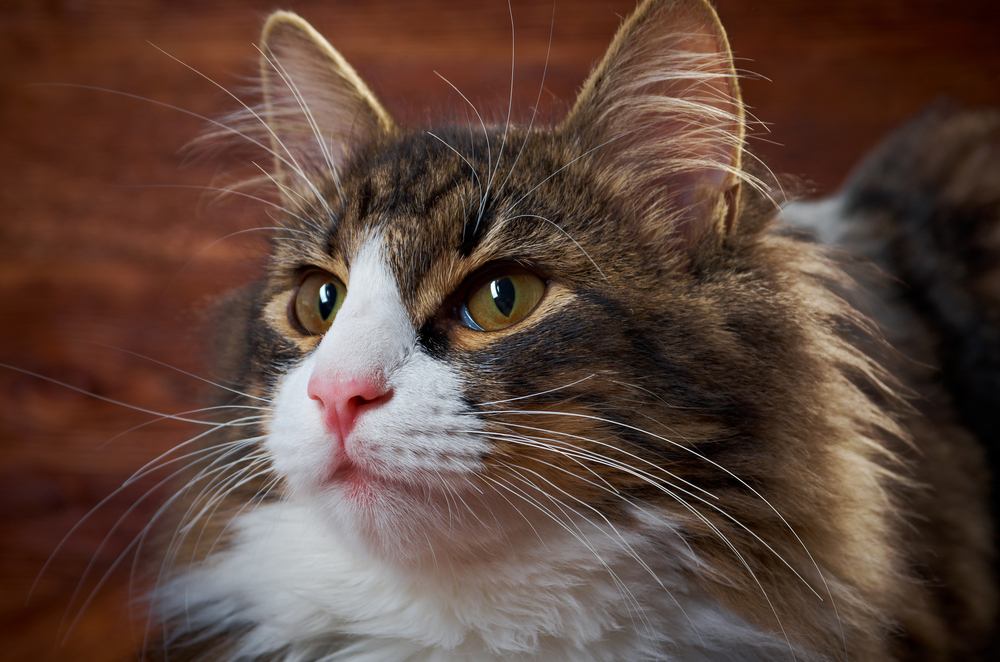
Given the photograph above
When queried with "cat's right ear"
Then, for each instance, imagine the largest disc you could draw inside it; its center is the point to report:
(661, 117)
(318, 110)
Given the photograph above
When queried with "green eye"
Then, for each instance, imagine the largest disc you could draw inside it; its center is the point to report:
(502, 301)
(317, 300)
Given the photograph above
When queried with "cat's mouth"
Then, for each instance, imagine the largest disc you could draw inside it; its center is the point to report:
(361, 483)
(354, 479)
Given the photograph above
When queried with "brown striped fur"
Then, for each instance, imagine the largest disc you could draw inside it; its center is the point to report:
(684, 330)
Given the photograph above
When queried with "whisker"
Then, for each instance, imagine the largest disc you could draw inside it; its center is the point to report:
(290, 193)
(216, 490)
(232, 191)
(538, 100)
(102, 398)
(559, 170)
(257, 499)
(86, 603)
(152, 465)
(517, 510)
(709, 504)
(170, 555)
(535, 395)
(624, 544)
(224, 128)
(293, 164)
(732, 547)
(475, 174)
(567, 235)
(256, 459)
(598, 443)
(160, 419)
(486, 135)
(232, 482)
(604, 486)
(163, 364)
(129, 481)
(577, 535)
(653, 395)
(307, 113)
(506, 127)
(570, 453)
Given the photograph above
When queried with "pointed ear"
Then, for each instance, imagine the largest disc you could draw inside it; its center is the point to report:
(664, 106)
(317, 108)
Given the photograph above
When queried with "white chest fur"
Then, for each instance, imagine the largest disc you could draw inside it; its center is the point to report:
(304, 592)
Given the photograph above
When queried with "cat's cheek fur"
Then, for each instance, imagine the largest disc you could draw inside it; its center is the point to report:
(297, 441)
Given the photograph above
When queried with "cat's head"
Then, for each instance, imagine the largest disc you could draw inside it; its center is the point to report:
(473, 334)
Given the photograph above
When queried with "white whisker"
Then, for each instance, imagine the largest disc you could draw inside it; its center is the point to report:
(618, 538)
(232, 191)
(711, 505)
(310, 119)
(472, 168)
(567, 235)
(538, 100)
(290, 162)
(102, 398)
(135, 504)
(183, 372)
(535, 395)
(506, 126)
(576, 534)
(486, 135)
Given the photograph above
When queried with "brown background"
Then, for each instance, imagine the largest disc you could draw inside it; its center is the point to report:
(94, 253)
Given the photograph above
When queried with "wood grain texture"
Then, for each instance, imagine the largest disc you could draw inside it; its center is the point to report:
(95, 253)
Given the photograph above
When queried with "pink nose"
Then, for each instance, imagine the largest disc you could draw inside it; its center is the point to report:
(342, 399)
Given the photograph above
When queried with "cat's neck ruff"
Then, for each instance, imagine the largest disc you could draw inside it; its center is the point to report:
(301, 590)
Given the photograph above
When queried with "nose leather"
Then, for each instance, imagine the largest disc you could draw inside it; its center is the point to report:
(342, 398)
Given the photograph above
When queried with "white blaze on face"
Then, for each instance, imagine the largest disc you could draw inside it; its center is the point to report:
(372, 332)
(413, 437)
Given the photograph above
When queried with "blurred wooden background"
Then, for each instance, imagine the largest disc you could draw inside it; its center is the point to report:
(95, 253)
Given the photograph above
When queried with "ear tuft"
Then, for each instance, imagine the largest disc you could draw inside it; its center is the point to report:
(663, 115)
(317, 108)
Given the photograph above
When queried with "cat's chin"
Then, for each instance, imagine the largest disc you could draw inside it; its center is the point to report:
(408, 522)
(361, 486)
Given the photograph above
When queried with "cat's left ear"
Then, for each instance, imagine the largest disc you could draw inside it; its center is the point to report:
(317, 108)
(663, 117)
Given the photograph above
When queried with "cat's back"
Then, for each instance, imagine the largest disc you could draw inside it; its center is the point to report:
(918, 225)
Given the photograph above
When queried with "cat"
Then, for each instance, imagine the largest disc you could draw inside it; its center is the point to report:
(596, 391)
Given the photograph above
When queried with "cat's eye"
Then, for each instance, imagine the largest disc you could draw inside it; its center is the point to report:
(317, 300)
(502, 300)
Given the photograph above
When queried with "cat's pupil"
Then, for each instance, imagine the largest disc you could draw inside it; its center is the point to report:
(504, 295)
(327, 300)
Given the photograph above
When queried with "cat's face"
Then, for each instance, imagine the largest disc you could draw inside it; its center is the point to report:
(471, 335)
(418, 316)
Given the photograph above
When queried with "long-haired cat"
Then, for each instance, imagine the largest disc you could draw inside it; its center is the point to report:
(582, 392)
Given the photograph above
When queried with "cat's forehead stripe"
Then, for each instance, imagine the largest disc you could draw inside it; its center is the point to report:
(443, 214)
(476, 225)
(419, 201)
